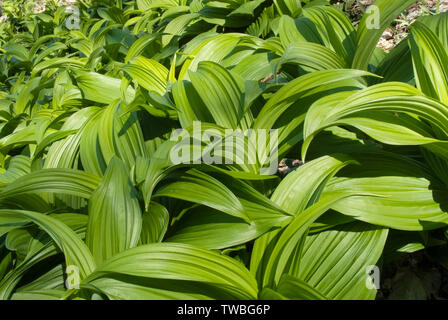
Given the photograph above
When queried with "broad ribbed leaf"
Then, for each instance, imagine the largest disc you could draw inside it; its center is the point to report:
(212, 81)
(58, 63)
(371, 28)
(18, 166)
(296, 289)
(75, 251)
(299, 88)
(336, 262)
(53, 279)
(199, 187)
(311, 57)
(35, 295)
(336, 31)
(115, 218)
(302, 188)
(200, 272)
(148, 73)
(119, 134)
(284, 257)
(430, 60)
(298, 191)
(65, 181)
(100, 88)
(408, 197)
(213, 49)
(139, 46)
(390, 97)
(154, 223)
(63, 153)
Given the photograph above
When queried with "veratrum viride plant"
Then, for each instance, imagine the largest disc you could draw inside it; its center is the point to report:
(93, 207)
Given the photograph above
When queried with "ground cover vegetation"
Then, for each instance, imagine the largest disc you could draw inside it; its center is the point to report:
(93, 207)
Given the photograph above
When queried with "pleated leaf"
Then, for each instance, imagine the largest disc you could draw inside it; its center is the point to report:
(371, 28)
(115, 218)
(75, 251)
(336, 262)
(183, 268)
(64, 181)
(408, 197)
(198, 187)
(430, 61)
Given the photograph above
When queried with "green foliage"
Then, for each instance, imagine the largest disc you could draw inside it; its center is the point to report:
(87, 184)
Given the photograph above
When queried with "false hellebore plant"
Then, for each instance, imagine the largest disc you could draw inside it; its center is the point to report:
(94, 202)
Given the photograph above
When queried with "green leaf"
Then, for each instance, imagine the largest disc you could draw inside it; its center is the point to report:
(211, 81)
(58, 63)
(336, 262)
(48, 294)
(430, 60)
(53, 279)
(139, 45)
(299, 88)
(284, 257)
(115, 218)
(371, 28)
(66, 181)
(177, 27)
(154, 223)
(199, 272)
(50, 139)
(335, 30)
(408, 197)
(298, 191)
(149, 74)
(100, 88)
(119, 134)
(390, 97)
(311, 57)
(18, 166)
(292, 8)
(75, 251)
(296, 289)
(198, 187)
